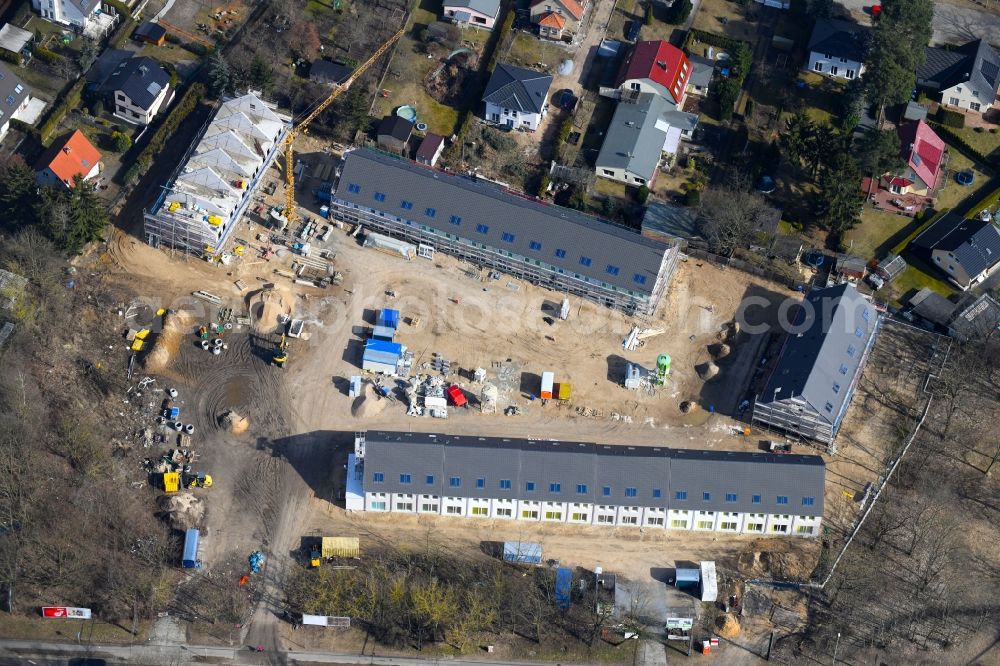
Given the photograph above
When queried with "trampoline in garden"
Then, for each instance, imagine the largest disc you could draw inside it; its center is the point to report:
(407, 112)
(965, 177)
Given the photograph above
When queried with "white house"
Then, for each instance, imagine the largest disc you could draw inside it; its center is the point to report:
(517, 97)
(966, 250)
(477, 13)
(838, 49)
(69, 157)
(14, 99)
(966, 77)
(586, 484)
(139, 88)
(85, 16)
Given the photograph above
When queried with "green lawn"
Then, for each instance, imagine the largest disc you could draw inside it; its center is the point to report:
(985, 141)
(527, 50)
(913, 279)
(951, 193)
(877, 227)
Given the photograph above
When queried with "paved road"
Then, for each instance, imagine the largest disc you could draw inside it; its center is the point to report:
(61, 653)
(955, 23)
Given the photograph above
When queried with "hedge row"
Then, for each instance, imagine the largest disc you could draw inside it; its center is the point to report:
(12, 58)
(69, 101)
(182, 110)
(950, 118)
(711, 39)
(125, 30)
(508, 25)
(959, 144)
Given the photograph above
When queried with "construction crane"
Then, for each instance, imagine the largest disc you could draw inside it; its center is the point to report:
(322, 106)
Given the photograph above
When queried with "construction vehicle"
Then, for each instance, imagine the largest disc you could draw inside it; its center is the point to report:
(281, 352)
(315, 557)
(303, 124)
(171, 481)
(199, 480)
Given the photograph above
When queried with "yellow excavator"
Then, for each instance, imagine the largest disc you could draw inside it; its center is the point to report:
(281, 352)
(301, 126)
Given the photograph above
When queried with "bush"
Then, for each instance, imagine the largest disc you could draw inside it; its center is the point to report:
(692, 198)
(70, 101)
(543, 186)
(950, 118)
(45, 55)
(679, 11)
(648, 18)
(181, 110)
(174, 39)
(728, 91)
(196, 48)
(720, 41)
(642, 194)
(12, 58)
(993, 130)
(121, 141)
(97, 107)
(124, 31)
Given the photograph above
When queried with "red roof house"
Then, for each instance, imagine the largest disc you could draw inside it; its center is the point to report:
(658, 67)
(555, 16)
(923, 151)
(68, 156)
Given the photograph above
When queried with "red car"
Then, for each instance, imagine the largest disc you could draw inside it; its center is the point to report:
(457, 397)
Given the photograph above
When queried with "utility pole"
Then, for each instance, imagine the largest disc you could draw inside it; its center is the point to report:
(836, 646)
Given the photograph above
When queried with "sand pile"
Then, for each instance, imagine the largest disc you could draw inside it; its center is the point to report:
(183, 511)
(727, 626)
(367, 405)
(267, 309)
(707, 370)
(176, 324)
(234, 423)
(719, 351)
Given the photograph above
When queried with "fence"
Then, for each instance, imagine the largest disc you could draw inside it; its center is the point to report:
(745, 266)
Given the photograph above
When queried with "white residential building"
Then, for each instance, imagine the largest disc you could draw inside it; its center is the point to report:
(516, 97)
(89, 17)
(838, 49)
(586, 484)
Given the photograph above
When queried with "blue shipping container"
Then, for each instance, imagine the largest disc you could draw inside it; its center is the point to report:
(388, 317)
(190, 559)
(564, 587)
(384, 333)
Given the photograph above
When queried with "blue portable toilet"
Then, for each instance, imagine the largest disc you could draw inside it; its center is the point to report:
(190, 559)
(564, 587)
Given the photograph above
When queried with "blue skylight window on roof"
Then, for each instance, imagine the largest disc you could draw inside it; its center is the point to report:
(866, 315)
(808, 501)
(782, 499)
(585, 261)
(828, 407)
(480, 483)
(535, 245)
(639, 279)
(858, 332)
(555, 487)
(836, 388)
(85, 163)
(430, 479)
(482, 228)
(851, 350)
(843, 369)
(529, 486)
(430, 212)
(504, 484)
(506, 237)
(404, 478)
(681, 495)
(10, 99)
(455, 482)
(706, 497)
(630, 492)
(406, 205)
(561, 254)
(353, 188)
(378, 196)
(456, 220)
(657, 493)
(755, 499)
(612, 270)
(581, 488)
(730, 497)
(378, 477)
(606, 491)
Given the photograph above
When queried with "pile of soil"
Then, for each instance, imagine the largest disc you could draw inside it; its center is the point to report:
(707, 371)
(234, 423)
(726, 626)
(183, 511)
(266, 310)
(176, 324)
(367, 405)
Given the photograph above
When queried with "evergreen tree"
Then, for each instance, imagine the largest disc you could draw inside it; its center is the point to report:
(17, 192)
(796, 138)
(220, 76)
(898, 48)
(839, 201)
(878, 153)
(72, 218)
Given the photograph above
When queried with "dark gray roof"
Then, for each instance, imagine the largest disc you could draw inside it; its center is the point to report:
(840, 39)
(975, 62)
(633, 141)
(933, 307)
(978, 320)
(86, 7)
(701, 71)
(140, 78)
(478, 205)
(583, 470)
(325, 71)
(105, 64)
(486, 7)
(915, 111)
(396, 127)
(523, 90)
(820, 363)
(429, 146)
(13, 92)
(150, 30)
(669, 220)
(975, 244)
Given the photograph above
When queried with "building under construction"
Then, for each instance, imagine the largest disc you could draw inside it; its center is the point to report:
(478, 221)
(208, 193)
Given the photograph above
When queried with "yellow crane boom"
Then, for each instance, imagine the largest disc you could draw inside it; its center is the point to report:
(304, 123)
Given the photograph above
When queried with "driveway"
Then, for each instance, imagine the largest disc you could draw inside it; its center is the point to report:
(583, 58)
(954, 22)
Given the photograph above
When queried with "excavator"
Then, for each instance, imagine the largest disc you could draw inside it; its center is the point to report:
(302, 125)
(281, 352)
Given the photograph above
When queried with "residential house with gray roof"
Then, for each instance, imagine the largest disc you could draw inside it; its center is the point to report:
(966, 250)
(517, 98)
(966, 77)
(138, 88)
(476, 13)
(14, 99)
(90, 17)
(838, 48)
(820, 364)
(586, 484)
(643, 128)
(480, 222)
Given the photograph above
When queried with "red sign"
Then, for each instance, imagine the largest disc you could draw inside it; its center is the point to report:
(66, 612)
